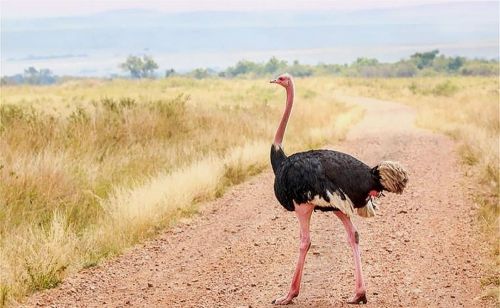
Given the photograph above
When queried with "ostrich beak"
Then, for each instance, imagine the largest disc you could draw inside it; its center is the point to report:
(273, 81)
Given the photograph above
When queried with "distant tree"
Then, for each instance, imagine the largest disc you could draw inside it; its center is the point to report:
(200, 73)
(329, 69)
(405, 69)
(299, 70)
(139, 67)
(366, 62)
(440, 64)
(425, 59)
(133, 65)
(274, 65)
(31, 75)
(456, 63)
(46, 76)
(243, 67)
(169, 73)
(365, 67)
(38, 77)
(149, 66)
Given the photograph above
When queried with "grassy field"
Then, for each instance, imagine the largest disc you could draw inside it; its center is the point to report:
(467, 109)
(88, 168)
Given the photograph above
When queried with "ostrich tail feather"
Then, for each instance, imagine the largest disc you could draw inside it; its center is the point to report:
(392, 176)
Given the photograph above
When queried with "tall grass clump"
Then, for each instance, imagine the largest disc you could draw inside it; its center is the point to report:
(467, 109)
(89, 168)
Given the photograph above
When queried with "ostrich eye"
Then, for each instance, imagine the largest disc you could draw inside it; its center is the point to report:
(281, 79)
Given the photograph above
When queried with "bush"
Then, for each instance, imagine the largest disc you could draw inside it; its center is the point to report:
(477, 68)
(446, 88)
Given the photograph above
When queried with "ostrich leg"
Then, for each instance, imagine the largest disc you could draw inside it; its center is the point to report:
(353, 238)
(303, 213)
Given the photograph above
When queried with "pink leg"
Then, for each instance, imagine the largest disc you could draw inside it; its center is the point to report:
(303, 213)
(353, 238)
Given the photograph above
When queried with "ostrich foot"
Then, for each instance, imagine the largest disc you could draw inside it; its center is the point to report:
(285, 300)
(358, 299)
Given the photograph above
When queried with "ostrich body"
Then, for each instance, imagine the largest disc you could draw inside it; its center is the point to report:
(327, 181)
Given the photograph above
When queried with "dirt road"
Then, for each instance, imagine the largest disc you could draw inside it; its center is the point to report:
(422, 250)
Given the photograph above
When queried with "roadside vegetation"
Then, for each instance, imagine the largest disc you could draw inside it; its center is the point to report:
(91, 167)
(467, 109)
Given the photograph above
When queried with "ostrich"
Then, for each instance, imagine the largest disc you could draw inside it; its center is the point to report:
(328, 181)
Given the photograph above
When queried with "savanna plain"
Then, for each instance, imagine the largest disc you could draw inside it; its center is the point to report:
(89, 168)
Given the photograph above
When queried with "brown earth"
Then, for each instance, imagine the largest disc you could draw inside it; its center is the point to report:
(422, 250)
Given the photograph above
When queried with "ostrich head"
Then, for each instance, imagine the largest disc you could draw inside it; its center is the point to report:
(284, 80)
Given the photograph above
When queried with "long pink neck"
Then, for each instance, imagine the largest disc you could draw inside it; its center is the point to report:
(278, 138)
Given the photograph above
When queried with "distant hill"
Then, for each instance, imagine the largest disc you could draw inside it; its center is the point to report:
(96, 44)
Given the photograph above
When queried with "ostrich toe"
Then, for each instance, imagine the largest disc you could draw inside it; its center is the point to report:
(358, 299)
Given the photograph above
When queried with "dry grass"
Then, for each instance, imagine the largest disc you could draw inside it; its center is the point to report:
(467, 109)
(89, 168)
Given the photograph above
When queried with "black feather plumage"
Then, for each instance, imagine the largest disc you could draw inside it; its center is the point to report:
(304, 175)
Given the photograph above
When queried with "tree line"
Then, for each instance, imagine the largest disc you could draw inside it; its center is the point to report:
(31, 75)
(429, 63)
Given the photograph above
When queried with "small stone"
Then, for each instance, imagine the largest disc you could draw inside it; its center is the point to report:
(150, 285)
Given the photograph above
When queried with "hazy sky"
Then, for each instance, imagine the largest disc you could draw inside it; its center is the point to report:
(311, 31)
(50, 8)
